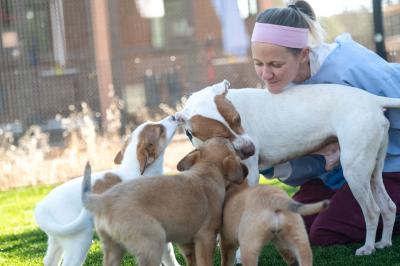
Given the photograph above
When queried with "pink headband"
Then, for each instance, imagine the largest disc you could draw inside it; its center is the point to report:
(281, 35)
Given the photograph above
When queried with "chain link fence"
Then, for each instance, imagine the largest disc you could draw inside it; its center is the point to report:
(56, 54)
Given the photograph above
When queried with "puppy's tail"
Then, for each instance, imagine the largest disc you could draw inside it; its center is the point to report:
(308, 208)
(90, 201)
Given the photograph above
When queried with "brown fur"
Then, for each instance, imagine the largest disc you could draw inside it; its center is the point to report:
(229, 113)
(201, 128)
(254, 216)
(120, 155)
(149, 144)
(145, 213)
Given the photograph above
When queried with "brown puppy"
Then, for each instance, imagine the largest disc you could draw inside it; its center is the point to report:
(142, 215)
(253, 216)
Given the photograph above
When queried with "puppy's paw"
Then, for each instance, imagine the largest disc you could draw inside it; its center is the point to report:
(365, 250)
(383, 244)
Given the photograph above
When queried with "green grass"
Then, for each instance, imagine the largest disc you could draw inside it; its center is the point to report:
(22, 243)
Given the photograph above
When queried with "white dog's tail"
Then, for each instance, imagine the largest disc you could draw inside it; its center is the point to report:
(387, 102)
(47, 223)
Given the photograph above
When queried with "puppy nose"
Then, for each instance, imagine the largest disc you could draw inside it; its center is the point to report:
(173, 118)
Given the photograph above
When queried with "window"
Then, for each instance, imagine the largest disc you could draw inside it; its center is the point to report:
(33, 30)
(172, 29)
(58, 31)
(247, 7)
(392, 25)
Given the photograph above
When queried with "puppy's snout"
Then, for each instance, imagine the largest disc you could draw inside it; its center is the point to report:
(180, 118)
(247, 151)
(172, 117)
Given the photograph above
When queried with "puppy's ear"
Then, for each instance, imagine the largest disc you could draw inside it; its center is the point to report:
(234, 170)
(146, 155)
(118, 158)
(188, 161)
(151, 144)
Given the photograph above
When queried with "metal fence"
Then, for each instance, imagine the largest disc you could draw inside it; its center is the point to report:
(52, 57)
(57, 53)
(45, 65)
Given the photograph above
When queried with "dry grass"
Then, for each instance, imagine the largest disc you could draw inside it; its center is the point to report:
(34, 161)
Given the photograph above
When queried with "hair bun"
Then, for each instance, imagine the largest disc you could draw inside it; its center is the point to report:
(304, 7)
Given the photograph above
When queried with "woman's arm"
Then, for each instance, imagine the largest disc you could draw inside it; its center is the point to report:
(298, 171)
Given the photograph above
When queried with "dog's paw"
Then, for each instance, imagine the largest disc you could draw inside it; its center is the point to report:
(365, 250)
(383, 244)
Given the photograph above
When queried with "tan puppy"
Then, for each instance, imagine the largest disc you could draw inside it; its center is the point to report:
(142, 215)
(253, 216)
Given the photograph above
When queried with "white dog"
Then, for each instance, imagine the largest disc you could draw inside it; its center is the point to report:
(69, 226)
(300, 121)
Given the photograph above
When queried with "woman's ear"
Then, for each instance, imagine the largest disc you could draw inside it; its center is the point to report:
(304, 55)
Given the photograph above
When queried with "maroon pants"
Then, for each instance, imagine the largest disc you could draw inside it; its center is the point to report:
(343, 222)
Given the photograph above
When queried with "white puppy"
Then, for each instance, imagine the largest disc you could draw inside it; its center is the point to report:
(69, 226)
(299, 121)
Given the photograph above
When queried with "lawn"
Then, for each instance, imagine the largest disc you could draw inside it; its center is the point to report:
(22, 243)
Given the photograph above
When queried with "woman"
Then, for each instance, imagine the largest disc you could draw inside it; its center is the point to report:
(287, 49)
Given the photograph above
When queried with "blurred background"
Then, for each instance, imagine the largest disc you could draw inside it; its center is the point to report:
(76, 75)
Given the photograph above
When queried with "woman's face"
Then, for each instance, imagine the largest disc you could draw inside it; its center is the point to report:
(277, 66)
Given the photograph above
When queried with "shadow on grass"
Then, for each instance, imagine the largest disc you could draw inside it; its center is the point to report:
(32, 244)
(29, 244)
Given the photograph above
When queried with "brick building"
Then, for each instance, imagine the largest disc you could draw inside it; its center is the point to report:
(392, 29)
(57, 53)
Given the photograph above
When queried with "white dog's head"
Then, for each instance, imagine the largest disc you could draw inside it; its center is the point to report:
(208, 113)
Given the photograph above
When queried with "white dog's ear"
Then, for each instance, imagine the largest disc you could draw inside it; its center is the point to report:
(188, 161)
(222, 87)
(226, 83)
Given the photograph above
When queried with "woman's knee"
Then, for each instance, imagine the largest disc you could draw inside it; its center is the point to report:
(324, 237)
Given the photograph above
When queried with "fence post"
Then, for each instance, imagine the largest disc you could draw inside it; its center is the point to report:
(379, 36)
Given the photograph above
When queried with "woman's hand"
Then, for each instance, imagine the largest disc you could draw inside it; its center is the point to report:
(331, 153)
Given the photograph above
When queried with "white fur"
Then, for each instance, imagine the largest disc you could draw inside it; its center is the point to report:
(298, 121)
(69, 226)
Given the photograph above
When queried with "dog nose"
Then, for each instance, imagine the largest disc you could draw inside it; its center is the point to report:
(173, 118)
(247, 151)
